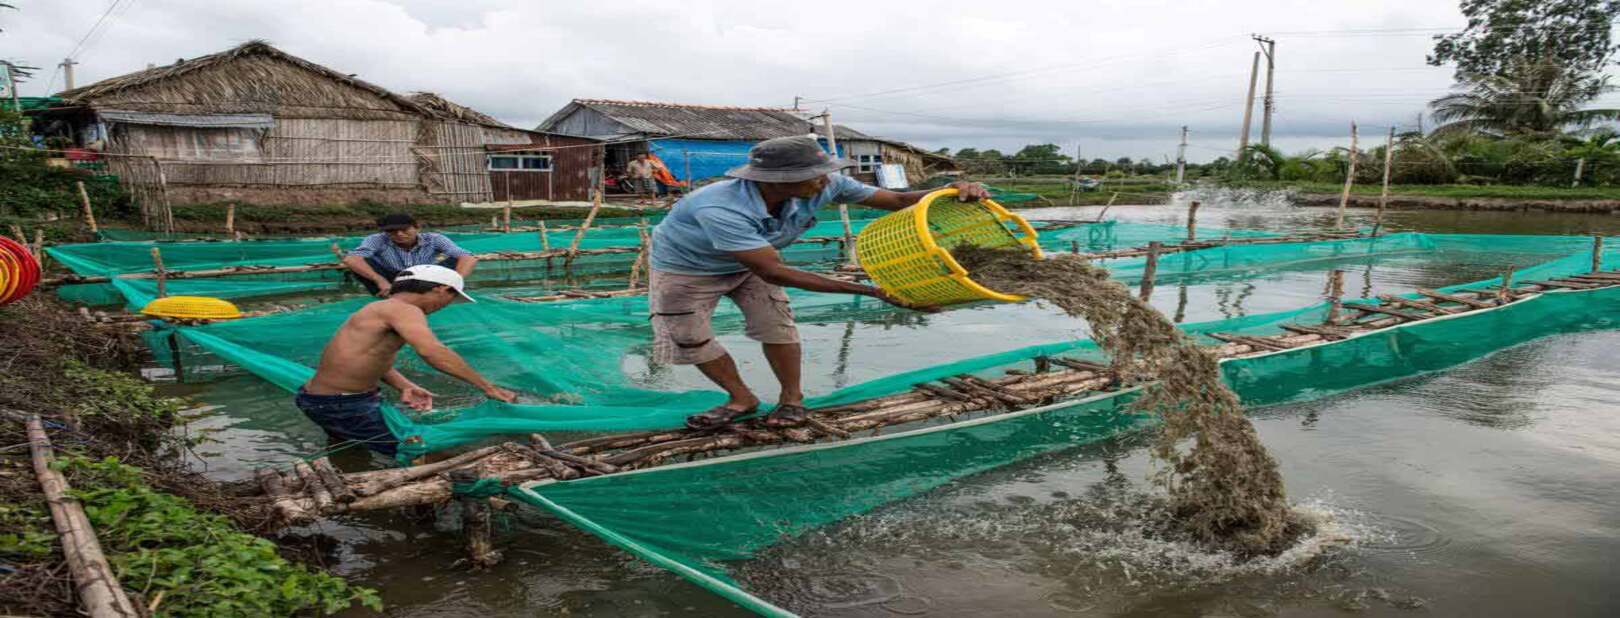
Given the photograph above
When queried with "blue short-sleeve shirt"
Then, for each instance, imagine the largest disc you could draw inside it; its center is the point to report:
(704, 228)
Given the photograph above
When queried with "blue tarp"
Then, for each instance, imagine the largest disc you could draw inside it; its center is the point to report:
(709, 157)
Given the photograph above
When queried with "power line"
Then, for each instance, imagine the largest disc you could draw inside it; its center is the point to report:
(50, 85)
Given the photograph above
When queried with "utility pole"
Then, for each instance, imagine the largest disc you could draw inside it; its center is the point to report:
(1181, 156)
(1270, 48)
(67, 72)
(796, 102)
(1248, 110)
(843, 209)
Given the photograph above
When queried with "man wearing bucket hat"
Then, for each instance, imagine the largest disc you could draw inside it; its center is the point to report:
(723, 241)
(344, 397)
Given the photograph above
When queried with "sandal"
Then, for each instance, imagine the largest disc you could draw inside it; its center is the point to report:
(787, 415)
(716, 417)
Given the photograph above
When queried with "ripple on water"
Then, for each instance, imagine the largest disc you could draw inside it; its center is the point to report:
(1391, 534)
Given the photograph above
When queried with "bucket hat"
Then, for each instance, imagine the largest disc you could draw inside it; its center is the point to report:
(788, 159)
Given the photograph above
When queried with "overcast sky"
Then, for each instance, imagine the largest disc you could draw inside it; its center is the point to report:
(1117, 78)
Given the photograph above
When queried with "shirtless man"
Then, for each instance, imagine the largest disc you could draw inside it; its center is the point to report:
(343, 397)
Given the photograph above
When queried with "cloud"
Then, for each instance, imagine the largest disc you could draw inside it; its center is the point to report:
(1113, 74)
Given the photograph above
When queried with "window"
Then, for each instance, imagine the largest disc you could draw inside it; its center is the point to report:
(525, 162)
(869, 163)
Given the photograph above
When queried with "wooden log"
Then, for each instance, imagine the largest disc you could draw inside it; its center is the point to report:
(1321, 331)
(1563, 283)
(93, 578)
(1349, 179)
(281, 498)
(1150, 269)
(230, 218)
(994, 395)
(1383, 195)
(313, 486)
(162, 274)
(942, 392)
(1335, 295)
(573, 247)
(1416, 304)
(377, 482)
(825, 428)
(88, 213)
(476, 524)
(1079, 365)
(545, 242)
(1404, 315)
(1452, 298)
(1192, 221)
(554, 467)
(333, 481)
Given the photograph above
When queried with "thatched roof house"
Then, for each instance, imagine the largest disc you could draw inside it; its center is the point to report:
(256, 124)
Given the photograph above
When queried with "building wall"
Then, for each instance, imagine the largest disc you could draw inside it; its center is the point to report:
(570, 178)
(297, 152)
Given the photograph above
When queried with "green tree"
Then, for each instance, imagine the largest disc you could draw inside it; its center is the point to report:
(1501, 34)
(944, 152)
(967, 153)
(1534, 99)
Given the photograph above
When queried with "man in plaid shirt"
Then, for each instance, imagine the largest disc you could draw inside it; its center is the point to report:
(399, 246)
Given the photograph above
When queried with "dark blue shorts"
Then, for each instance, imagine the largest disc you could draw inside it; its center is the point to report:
(357, 417)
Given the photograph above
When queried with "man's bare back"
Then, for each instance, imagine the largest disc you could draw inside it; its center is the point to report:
(363, 349)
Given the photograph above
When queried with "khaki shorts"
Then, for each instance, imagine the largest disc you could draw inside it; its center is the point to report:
(682, 306)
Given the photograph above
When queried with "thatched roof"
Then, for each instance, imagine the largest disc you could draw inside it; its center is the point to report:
(253, 77)
(446, 109)
(652, 119)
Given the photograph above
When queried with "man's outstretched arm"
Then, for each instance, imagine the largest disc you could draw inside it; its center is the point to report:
(411, 324)
(768, 264)
(896, 200)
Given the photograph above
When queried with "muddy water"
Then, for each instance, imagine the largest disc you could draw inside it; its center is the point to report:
(1485, 490)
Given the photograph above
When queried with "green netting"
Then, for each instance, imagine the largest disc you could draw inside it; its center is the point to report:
(572, 352)
(693, 518)
(567, 358)
(118, 258)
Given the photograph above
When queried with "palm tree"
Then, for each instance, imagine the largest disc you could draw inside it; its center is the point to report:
(1534, 99)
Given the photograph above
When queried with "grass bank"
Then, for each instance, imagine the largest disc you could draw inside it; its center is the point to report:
(176, 541)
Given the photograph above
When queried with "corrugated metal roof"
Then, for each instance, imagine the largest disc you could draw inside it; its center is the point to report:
(700, 121)
(224, 121)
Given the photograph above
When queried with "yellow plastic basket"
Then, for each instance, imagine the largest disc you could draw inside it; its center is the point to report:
(907, 252)
(192, 308)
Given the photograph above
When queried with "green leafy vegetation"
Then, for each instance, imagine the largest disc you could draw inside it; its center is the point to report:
(203, 566)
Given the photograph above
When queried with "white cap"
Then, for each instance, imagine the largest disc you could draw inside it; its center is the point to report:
(436, 274)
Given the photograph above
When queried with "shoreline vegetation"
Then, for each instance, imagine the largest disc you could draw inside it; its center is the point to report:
(178, 543)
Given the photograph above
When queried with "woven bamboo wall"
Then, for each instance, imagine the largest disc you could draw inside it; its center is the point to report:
(450, 161)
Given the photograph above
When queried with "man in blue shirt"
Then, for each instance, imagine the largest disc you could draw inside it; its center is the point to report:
(401, 245)
(723, 240)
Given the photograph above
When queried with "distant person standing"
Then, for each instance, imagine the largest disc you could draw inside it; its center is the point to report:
(401, 245)
(641, 171)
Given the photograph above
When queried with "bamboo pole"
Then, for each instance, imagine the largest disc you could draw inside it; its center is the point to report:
(506, 218)
(1504, 293)
(39, 246)
(230, 218)
(1150, 269)
(1335, 294)
(93, 578)
(1192, 221)
(17, 232)
(162, 273)
(1597, 253)
(545, 242)
(1383, 196)
(849, 234)
(573, 247)
(1349, 178)
(88, 212)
